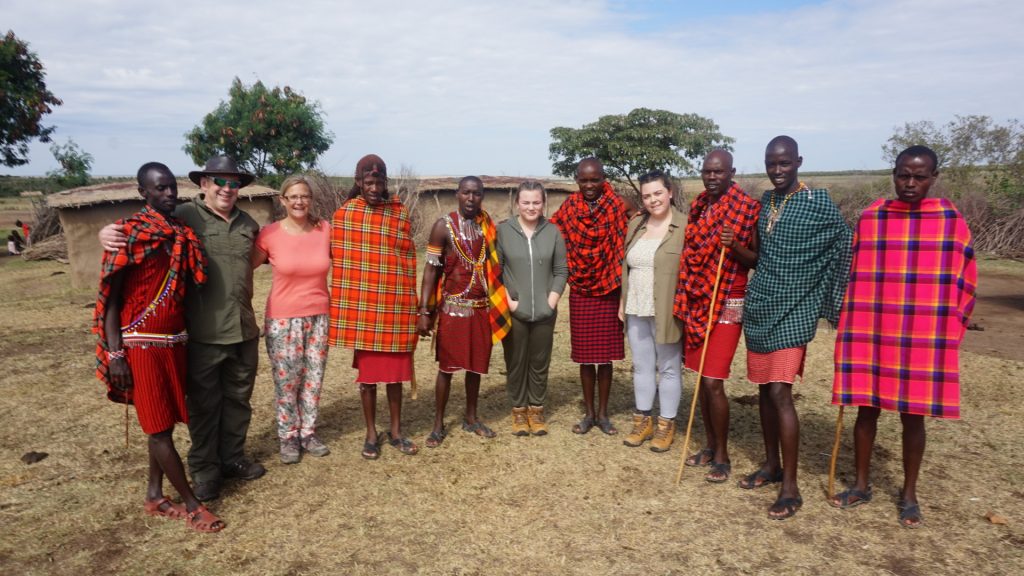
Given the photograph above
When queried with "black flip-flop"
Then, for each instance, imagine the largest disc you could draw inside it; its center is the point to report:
(719, 469)
(606, 426)
(846, 498)
(750, 481)
(695, 459)
(910, 515)
(789, 507)
(583, 426)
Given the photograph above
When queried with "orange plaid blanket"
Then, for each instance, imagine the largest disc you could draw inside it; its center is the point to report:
(373, 277)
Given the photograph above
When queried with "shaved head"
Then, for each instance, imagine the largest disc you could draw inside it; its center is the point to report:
(591, 161)
(783, 142)
(722, 155)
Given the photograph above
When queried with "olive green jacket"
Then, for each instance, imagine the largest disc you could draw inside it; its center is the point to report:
(532, 267)
(668, 328)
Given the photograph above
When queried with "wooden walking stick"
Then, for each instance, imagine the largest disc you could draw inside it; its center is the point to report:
(126, 423)
(835, 453)
(700, 368)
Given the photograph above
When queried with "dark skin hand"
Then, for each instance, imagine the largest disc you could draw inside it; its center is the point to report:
(120, 375)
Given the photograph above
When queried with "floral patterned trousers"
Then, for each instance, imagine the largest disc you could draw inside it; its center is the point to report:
(298, 354)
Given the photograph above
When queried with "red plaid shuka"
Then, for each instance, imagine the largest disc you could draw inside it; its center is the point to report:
(910, 296)
(700, 258)
(594, 241)
(147, 232)
(373, 277)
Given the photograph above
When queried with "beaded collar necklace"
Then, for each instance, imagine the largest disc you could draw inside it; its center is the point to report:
(774, 214)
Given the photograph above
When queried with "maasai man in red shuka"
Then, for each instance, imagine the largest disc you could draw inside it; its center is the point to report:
(462, 284)
(373, 296)
(593, 224)
(140, 321)
(910, 296)
(721, 216)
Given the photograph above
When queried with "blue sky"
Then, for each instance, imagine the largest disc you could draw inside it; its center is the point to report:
(455, 87)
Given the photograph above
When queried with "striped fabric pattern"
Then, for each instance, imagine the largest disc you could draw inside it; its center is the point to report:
(373, 277)
(911, 293)
(801, 272)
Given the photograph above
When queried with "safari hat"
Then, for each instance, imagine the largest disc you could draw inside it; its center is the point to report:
(221, 166)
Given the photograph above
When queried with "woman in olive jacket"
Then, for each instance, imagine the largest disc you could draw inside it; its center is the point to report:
(534, 270)
(650, 273)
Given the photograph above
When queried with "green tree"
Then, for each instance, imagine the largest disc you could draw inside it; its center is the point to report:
(637, 142)
(24, 100)
(75, 165)
(967, 146)
(262, 129)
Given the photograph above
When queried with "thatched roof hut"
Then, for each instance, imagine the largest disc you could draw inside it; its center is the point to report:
(84, 211)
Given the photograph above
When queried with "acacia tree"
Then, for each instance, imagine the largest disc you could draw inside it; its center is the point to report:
(75, 164)
(262, 129)
(24, 100)
(637, 142)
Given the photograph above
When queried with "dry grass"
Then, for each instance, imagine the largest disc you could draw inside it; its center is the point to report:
(560, 504)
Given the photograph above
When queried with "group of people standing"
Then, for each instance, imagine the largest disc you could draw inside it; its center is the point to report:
(675, 282)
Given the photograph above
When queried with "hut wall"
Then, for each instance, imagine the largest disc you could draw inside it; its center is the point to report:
(82, 224)
(497, 202)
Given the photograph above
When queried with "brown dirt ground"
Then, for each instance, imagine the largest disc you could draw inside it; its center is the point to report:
(560, 504)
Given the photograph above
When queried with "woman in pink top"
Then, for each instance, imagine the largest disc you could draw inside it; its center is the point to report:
(299, 250)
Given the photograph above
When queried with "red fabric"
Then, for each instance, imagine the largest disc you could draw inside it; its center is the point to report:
(594, 241)
(159, 393)
(594, 328)
(499, 314)
(699, 263)
(148, 233)
(778, 366)
(464, 343)
(382, 367)
(721, 350)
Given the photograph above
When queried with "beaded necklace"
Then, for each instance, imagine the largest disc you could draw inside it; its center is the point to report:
(461, 241)
(774, 214)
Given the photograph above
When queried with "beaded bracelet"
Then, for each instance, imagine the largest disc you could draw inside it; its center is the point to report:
(115, 354)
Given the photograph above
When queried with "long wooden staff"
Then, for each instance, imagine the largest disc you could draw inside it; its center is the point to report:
(126, 423)
(835, 453)
(700, 368)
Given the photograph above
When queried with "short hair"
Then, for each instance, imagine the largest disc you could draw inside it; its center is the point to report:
(303, 179)
(476, 179)
(786, 141)
(145, 168)
(919, 150)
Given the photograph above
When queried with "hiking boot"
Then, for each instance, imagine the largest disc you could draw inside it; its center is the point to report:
(535, 416)
(244, 469)
(208, 490)
(643, 429)
(290, 452)
(520, 422)
(664, 435)
(312, 445)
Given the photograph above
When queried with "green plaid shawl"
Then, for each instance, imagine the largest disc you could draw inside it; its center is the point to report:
(801, 274)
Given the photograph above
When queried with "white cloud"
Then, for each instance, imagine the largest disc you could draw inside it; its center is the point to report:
(453, 87)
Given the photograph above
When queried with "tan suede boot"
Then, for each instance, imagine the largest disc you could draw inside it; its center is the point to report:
(664, 435)
(535, 416)
(643, 429)
(520, 422)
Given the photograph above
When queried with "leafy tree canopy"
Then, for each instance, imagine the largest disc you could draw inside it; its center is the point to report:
(635, 143)
(75, 164)
(262, 129)
(24, 100)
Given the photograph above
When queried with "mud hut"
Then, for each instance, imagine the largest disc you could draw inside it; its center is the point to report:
(437, 195)
(84, 211)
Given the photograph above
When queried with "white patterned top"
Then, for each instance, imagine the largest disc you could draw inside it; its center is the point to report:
(640, 259)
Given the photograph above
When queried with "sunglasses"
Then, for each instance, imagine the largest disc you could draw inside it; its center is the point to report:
(222, 182)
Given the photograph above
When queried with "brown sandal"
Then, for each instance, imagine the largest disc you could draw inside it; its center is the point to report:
(202, 520)
(164, 508)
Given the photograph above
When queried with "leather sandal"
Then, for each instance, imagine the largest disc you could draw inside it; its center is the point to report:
(202, 520)
(164, 508)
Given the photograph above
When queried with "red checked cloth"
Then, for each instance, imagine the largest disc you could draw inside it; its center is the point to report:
(594, 241)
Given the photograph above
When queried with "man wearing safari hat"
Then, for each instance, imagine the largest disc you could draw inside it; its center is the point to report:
(223, 334)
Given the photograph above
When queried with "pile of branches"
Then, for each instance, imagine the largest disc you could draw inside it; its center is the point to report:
(51, 248)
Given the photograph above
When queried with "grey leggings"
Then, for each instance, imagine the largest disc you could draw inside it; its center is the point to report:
(655, 367)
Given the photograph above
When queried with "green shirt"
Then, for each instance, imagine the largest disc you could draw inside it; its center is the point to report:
(220, 312)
